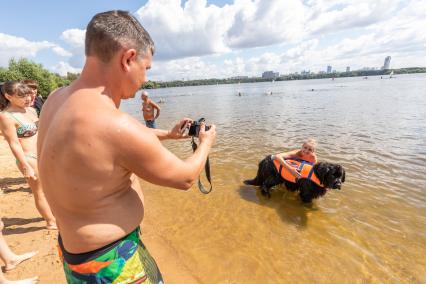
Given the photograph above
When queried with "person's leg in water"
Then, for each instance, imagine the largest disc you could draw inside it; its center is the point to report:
(11, 260)
(39, 197)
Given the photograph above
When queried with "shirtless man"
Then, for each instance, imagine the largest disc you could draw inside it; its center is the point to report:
(91, 155)
(148, 109)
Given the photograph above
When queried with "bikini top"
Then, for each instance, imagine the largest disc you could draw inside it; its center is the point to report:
(26, 129)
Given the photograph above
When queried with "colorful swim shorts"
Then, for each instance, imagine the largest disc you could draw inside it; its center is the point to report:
(123, 261)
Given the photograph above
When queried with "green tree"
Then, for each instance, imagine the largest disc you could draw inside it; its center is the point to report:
(23, 69)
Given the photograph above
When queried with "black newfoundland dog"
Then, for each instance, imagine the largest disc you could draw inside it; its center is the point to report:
(313, 183)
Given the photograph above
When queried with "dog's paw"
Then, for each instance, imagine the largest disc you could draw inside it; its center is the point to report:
(266, 193)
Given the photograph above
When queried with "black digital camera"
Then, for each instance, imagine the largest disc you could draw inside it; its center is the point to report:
(194, 128)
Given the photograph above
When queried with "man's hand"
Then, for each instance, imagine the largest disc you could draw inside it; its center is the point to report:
(207, 136)
(179, 130)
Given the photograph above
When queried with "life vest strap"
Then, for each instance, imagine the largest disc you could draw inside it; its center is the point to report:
(302, 164)
(310, 173)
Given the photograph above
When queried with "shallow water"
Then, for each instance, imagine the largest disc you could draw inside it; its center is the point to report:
(373, 230)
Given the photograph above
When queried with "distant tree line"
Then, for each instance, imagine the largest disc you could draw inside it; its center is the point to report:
(47, 81)
(23, 69)
(355, 73)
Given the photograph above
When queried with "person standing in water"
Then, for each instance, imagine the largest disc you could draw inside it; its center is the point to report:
(150, 110)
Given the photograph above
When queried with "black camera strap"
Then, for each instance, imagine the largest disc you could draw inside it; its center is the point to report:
(207, 170)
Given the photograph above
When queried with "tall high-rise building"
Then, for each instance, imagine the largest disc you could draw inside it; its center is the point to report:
(386, 65)
(329, 69)
(348, 69)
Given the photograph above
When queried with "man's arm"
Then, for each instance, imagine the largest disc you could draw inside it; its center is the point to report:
(289, 154)
(156, 107)
(177, 132)
(286, 155)
(142, 153)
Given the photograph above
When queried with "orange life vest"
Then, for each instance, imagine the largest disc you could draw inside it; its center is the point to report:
(305, 169)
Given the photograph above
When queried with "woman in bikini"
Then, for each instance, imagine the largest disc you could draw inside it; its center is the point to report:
(18, 122)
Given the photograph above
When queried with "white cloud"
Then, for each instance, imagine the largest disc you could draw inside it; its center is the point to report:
(17, 47)
(333, 16)
(259, 35)
(262, 23)
(61, 52)
(74, 37)
(186, 68)
(63, 67)
(197, 29)
(193, 30)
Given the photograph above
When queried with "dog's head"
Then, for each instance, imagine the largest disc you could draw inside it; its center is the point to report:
(330, 175)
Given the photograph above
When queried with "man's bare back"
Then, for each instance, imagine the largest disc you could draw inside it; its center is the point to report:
(84, 186)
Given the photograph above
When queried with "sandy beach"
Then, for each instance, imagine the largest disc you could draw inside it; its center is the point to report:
(24, 231)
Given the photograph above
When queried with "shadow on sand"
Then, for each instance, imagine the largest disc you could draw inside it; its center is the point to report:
(8, 222)
(20, 230)
(12, 181)
(287, 204)
(6, 185)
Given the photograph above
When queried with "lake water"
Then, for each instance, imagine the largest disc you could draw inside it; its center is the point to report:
(373, 230)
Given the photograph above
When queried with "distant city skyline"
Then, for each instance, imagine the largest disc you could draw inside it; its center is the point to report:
(200, 39)
(386, 64)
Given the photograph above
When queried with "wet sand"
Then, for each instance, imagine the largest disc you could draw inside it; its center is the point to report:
(24, 231)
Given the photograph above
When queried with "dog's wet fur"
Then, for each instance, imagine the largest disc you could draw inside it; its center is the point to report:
(330, 175)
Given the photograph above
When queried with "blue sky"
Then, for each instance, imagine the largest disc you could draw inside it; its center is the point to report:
(205, 39)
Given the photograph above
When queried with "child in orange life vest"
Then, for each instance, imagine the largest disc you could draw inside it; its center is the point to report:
(306, 153)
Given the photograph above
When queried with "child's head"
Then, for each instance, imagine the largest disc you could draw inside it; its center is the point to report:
(308, 147)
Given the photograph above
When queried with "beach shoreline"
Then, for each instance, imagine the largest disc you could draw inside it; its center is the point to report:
(24, 231)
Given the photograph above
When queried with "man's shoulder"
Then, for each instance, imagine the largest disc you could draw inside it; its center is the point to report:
(121, 123)
(152, 103)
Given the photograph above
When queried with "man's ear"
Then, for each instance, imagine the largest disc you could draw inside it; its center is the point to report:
(127, 57)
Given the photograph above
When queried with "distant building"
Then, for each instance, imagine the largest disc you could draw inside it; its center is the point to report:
(270, 75)
(348, 69)
(386, 64)
(329, 69)
(304, 72)
(239, 77)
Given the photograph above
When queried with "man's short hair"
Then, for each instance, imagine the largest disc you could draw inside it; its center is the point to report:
(110, 31)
